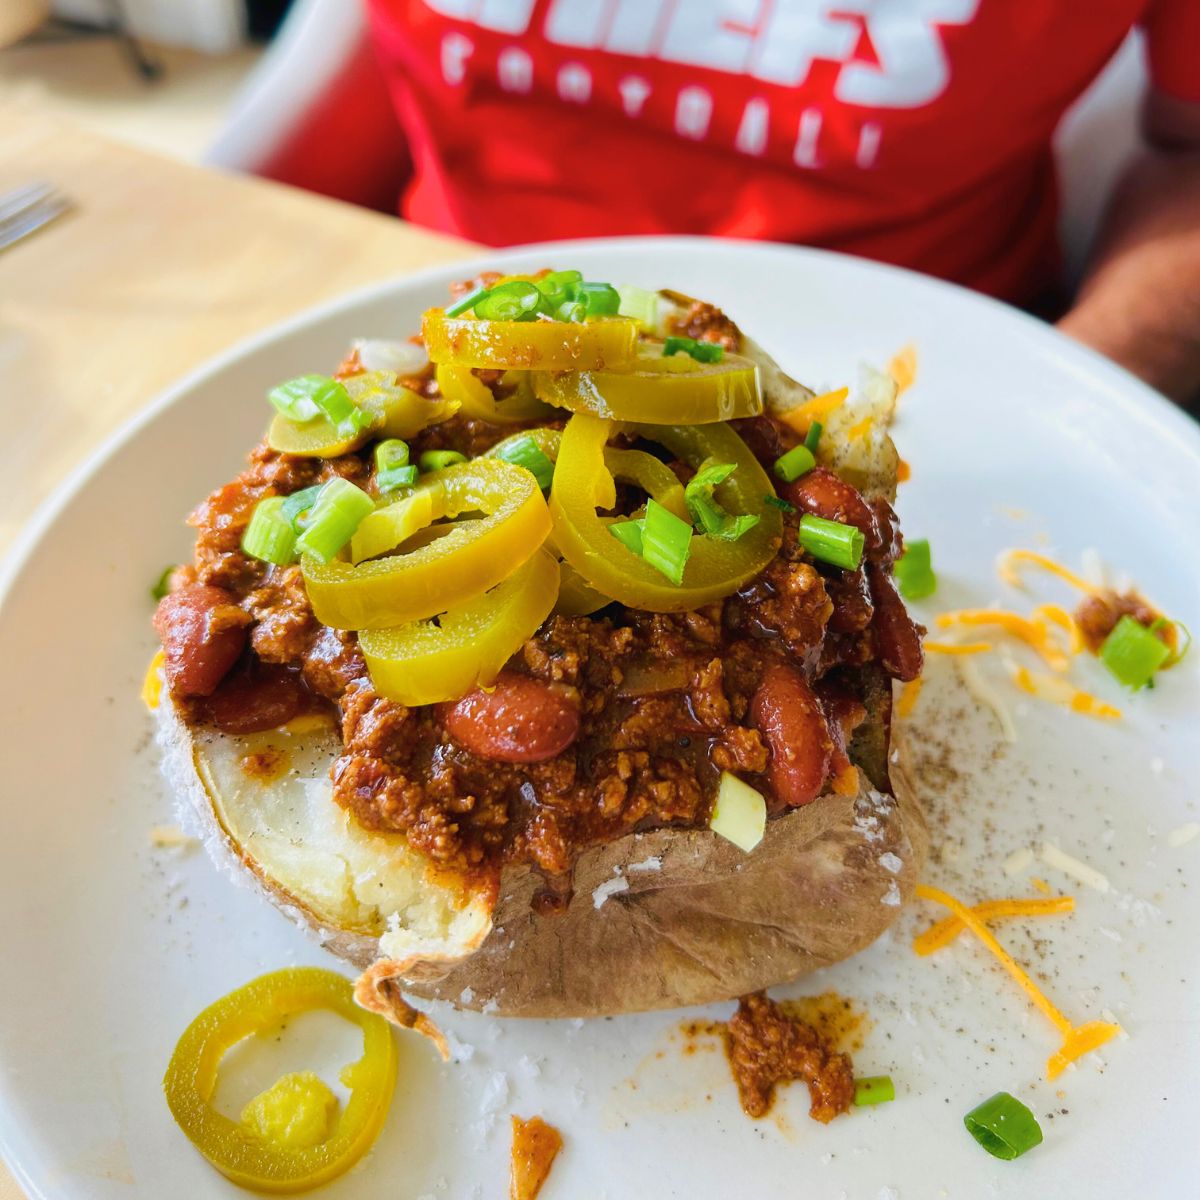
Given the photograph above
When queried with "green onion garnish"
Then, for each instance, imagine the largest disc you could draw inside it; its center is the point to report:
(525, 452)
(601, 299)
(295, 397)
(1004, 1127)
(571, 310)
(629, 534)
(796, 462)
(708, 515)
(304, 398)
(337, 512)
(516, 300)
(270, 536)
(914, 571)
(163, 586)
(640, 304)
(831, 541)
(557, 288)
(439, 460)
(874, 1089)
(780, 503)
(393, 471)
(666, 541)
(813, 436)
(1133, 653)
(705, 352)
(466, 303)
(296, 506)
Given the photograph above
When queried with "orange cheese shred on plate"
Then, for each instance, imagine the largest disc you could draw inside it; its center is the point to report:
(909, 694)
(903, 368)
(860, 429)
(817, 409)
(152, 684)
(958, 647)
(1033, 632)
(945, 931)
(1058, 691)
(1006, 568)
(1076, 1040)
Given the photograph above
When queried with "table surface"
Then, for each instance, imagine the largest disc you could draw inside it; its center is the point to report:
(159, 266)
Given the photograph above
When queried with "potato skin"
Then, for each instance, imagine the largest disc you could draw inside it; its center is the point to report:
(711, 923)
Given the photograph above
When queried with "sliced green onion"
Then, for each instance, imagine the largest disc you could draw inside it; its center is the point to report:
(392, 468)
(796, 462)
(516, 300)
(813, 436)
(705, 352)
(629, 534)
(337, 512)
(1133, 653)
(297, 505)
(270, 536)
(1180, 654)
(640, 304)
(706, 512)
(296, 398)
(163, 586)
(467, 302)
(1004, 1127)
(557, 288)
(438, 460)
(601, 299)
(525, 452)
(666, 541)
(914, 570)
(571, 310)
(780, 503)
(874, 1089)
(831, 541)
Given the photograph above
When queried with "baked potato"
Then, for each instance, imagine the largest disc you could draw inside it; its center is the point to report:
(656, 917)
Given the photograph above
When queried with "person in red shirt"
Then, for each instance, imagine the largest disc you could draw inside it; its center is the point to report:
(916, 132)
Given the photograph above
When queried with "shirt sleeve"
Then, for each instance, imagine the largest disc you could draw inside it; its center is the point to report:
(1172, 30)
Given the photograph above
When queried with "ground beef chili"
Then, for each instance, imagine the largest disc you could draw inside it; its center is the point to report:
(603, 725)
(767, 1047)
(1098, 614)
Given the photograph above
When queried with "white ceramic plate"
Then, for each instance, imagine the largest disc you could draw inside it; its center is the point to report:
(109, 947)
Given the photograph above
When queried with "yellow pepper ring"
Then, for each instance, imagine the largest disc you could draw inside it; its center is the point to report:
(413, 586)
(674, 389)
(529, 345)
(715, 568)
(424, 663)
(242, 1155)
(396, 412)
(575, 597)
(459, 385)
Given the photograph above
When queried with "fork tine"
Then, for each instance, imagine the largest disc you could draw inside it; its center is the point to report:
(23, 198)
(31, 221)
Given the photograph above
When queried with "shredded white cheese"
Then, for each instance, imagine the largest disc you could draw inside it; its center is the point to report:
(1052, 856)
(170, 837)
(983, 691)
(610, 887)
(653, 863)
(1183, 835)
(1018, 862)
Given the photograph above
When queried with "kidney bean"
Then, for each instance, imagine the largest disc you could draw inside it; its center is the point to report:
(261, 696)
(203, 634)
(823, 494)
(790, 717)
(897, 636)
(888, 524)
(519, 719)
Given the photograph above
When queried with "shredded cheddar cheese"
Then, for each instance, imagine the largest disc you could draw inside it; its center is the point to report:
(903, 368)
(152, 683)
(958, 647)
(1057, 615)
(903, 471)
(308, 723)
(945, 931)
(1059, 691)
(860, 429)
(1006, 568)
(1041, 885)
(907, 699)
(845, 783)
(1034, 633)
(1076, 1040)
(817, 409)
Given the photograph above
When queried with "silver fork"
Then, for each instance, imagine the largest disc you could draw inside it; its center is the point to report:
(26, 209)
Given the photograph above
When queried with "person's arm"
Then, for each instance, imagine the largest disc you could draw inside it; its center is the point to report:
(1140, 300)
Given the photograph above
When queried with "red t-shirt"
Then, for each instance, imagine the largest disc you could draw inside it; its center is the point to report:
(912, 131)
